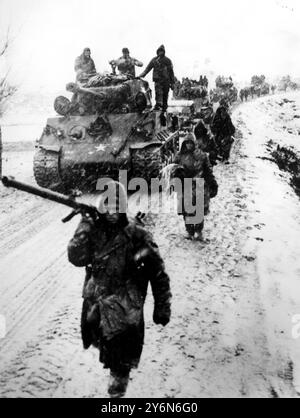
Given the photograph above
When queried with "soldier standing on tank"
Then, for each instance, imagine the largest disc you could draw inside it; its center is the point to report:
(163, 77)
(84, 66)
(126, 64)
(121, 258)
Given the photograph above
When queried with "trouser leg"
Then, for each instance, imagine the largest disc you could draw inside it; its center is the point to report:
(165, 91)
(158, 96)
(199, 227)
(213, 157)
(118, 382)
(227, 148)
(190, 228)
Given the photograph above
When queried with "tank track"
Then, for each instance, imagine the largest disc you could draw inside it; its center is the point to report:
(46, 170)
(146, 162)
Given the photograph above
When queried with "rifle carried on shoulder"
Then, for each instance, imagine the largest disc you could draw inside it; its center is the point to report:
(70, 201)
(78, 207)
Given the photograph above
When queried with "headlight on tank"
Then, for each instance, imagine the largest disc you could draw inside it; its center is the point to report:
(77, 132)
(60, 133)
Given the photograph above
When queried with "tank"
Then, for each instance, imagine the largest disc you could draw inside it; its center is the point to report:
(225, 90)
(191, 90)
(182, 112)
(107, 126)
(265, 89)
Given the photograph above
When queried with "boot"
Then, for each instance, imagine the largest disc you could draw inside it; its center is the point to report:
(163, 119)
(198, 236)
(190, 231)
(198, 232)
(157, 107)
(118, 384)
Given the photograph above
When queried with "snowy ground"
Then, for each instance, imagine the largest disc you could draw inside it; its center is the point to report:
(234, 298)
(26, 114)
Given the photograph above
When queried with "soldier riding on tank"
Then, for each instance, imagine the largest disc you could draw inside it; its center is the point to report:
(107, 126)
(84, 66)
(163, 77)
(126, 64)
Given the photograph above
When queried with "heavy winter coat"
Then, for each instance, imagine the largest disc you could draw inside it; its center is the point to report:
(162, 69)
(84, 65)
(223, 129)
(196, 165)
(115, 288)
(222, 126)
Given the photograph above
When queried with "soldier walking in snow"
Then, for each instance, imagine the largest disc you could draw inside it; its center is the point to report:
(223, 129)
(194, 163)
(121, 258)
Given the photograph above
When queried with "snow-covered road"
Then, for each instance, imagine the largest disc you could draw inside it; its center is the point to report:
(234, 297)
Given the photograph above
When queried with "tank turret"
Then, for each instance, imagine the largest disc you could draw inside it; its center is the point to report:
(108, 125)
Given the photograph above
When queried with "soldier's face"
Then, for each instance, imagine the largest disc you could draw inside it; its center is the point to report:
(189, 146)
(223, 114)
(112, 215)
(87, 53)
(200, 142)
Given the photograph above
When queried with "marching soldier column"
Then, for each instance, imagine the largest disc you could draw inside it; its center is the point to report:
(120, 257)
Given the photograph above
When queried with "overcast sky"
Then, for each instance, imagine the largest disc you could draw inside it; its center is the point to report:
(232, 37)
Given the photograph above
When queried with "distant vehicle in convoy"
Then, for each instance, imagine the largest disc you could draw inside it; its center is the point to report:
(192, 90)
(224, 90)
(265, 89)
(286, 83)
(191, 104)
(108, 125)
(182, 113)
(259, 86)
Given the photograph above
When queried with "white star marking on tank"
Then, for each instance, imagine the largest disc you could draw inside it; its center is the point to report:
(100, 147)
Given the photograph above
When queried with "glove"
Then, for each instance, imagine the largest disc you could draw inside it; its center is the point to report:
(213, 190)
(87, 223)
(161, 318)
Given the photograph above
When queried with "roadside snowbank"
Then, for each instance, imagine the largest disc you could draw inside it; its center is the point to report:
(276, 208)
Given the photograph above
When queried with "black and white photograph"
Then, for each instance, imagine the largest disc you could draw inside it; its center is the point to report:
(149, 201)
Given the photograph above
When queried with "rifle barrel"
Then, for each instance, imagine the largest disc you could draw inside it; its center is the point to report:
(46, 194)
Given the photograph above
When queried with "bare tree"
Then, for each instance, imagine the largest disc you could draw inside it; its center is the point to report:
(6, 90)
(5, 43)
